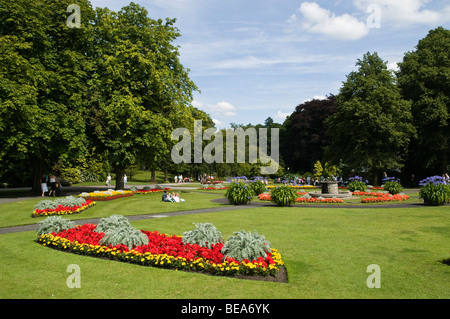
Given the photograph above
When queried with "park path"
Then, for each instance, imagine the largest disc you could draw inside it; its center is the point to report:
(226, 207)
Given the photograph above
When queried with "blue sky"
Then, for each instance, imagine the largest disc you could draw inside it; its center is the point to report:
(258, 59)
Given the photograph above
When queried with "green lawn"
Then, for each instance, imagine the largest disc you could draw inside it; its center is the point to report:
(19, 213)
(326, 252)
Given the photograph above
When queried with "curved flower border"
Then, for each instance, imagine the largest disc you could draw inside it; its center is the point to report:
(106, 195)
(63, 210)
(151, 191)
(205, 260)
(303, 200)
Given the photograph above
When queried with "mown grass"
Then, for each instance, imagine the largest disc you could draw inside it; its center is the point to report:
(19, 212)
(326, 252)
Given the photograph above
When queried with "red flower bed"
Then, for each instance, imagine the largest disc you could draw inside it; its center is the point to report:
(63, 210)
(375, 194)
(386, 198)
(162, 250)
(320, 200)
(266, 196)
(151, 191)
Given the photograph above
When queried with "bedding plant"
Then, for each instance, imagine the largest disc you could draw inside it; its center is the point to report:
(61, 206)
(161, 250)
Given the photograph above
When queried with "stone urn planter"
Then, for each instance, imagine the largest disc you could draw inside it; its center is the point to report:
(329, 187)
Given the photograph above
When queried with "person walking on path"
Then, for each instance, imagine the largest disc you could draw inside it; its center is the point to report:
(52, 185)
(44, 185)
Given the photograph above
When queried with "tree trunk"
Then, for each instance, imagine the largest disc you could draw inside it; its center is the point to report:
(153, 177)
(166, 175)
(38, 168)
(119, 178)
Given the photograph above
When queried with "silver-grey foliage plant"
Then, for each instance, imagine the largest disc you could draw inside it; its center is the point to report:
(204, 234)
(119, 231)
(246, 245)
(127, 236)
(69, 201)
(112, 222)
(54, 224)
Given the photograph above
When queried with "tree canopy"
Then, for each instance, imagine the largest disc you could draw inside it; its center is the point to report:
(372, 126)
(304, 134)
(424, 79)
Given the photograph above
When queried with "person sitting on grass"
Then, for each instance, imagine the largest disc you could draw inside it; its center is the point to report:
(166, 197)
(177, 198)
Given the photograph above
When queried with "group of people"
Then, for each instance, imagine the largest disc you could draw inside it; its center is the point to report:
(180, 179)
(51, 181)
(172, 197)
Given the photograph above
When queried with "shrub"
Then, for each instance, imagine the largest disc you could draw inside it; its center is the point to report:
(239, 194)
(283, 195)
(205, 234)
(357, 185)
(258, 187)
(393, 187)
(246, 245)
(54, 224)
(434, 191)
(72, 174)
(112, 222)
(125, 235)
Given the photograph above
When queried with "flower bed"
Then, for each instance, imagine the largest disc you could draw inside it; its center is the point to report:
(163, 250)
(294, 186)
(385, 198)
(320, 200)
(211, 188)
(151, 191)
(106, 195)
(266, 197)
(63, 210)
(373, 194)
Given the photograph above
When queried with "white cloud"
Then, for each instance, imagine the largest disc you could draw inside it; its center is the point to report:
(315, 97)
(318, 20)
(217, 122)
(218, 110)
(406, 12)
(281, 115)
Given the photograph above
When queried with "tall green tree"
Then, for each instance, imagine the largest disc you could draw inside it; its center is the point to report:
(424, 79)
(43, 71)
(139, 91)
(372, 127)
(304, 134)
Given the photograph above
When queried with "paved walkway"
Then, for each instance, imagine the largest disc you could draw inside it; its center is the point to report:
(224, 201)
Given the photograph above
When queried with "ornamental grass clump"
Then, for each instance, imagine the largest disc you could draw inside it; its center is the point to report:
(283, 196)
(239, 194)
(54, 224)
(434, 191)
(246, 245)
(204, 235)
(258, 187)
